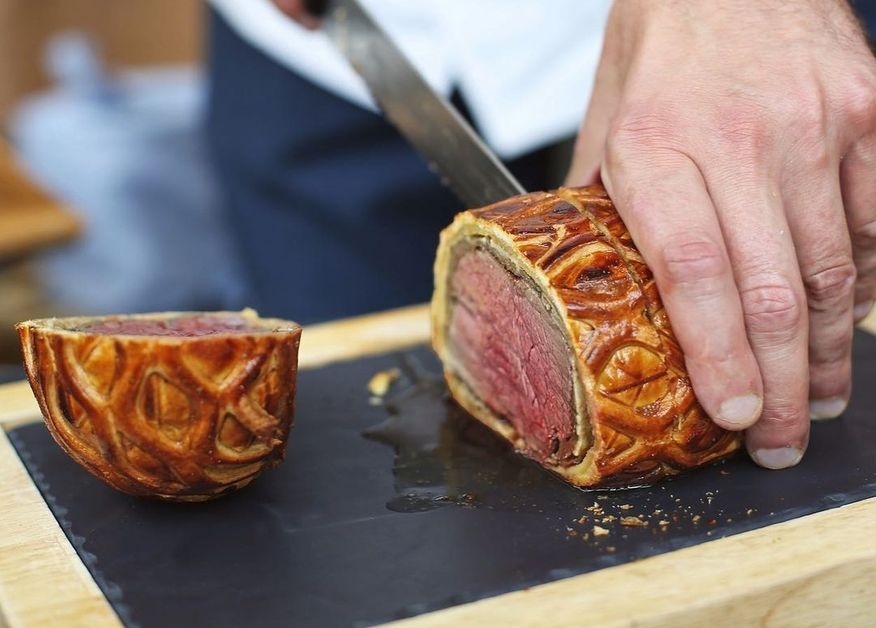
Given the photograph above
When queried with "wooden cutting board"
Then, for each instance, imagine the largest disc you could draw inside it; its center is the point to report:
(819, 568)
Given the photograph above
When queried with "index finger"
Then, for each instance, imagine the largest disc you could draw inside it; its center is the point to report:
(663, 200)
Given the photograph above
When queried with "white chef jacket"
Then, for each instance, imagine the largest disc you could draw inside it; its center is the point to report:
(524, 67)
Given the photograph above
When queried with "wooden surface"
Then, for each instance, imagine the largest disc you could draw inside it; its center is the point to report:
(42, 580)
(17, 405)
(812, 571)
(364, 335)
(28, 218)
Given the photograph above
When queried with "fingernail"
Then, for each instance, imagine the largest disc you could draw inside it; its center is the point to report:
(779, 458)
(862, 309)
(742, 410)
(826, 408)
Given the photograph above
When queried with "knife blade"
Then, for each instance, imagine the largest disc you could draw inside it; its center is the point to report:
(425, 118)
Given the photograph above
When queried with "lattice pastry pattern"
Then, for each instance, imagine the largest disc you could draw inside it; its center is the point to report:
(638, 417)
(184, 418)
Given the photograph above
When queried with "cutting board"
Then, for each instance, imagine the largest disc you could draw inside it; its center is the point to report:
(398, 507)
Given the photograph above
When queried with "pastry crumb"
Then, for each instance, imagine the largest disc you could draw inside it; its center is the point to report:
(380, 382)
(599, 531)
(633, 522)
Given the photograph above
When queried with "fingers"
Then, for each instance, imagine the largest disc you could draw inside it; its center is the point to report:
(663, 200)
(814, 209)
(773, 302)
(298, 11)
(858, 178)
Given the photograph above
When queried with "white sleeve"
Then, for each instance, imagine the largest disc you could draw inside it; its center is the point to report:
(525, 67)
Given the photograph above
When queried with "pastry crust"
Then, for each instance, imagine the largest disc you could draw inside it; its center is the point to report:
(184, 418)
(636, 417)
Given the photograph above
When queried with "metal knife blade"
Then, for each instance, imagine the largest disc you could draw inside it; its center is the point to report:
(425, 118)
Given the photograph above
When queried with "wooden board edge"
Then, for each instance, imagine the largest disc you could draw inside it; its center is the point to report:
(321, 344)
(818, 570)
(366, 335)
(17, 405)
(43, 583)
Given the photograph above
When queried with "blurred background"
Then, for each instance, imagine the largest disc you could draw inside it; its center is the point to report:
(108, 200)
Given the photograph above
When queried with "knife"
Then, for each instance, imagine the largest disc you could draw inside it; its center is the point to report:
(425, 118)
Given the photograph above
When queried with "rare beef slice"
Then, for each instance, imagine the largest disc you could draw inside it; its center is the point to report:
(551, 332)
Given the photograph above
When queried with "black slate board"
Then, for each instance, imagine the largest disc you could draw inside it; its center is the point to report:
(347, 533)
(10, 373)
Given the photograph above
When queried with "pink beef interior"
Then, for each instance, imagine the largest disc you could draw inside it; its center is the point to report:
(510, 352)
(181, 326)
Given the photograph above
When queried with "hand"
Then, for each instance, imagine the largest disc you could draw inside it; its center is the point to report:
(738, 141)
(298, 11)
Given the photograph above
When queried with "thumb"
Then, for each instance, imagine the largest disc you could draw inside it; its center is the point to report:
(604, 101)
(590, 145)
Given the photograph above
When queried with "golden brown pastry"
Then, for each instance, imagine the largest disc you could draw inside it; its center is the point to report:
(182, 406)
(551, 332)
